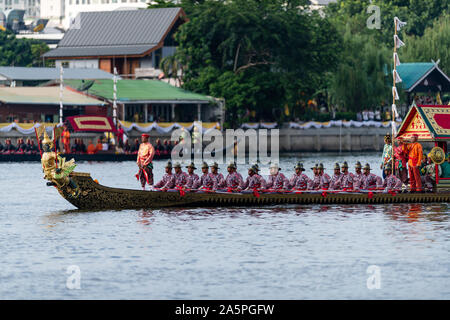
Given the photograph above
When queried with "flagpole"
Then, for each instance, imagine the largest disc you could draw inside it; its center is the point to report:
(393, 96)
(115, 98)
(61, 89)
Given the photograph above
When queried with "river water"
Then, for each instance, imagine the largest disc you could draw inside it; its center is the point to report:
(49, 249)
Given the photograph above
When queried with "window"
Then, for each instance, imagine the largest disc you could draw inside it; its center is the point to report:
(65, 64)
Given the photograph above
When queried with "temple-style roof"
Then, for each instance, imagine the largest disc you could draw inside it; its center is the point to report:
(116, 33)
(429, 122)
(423, 77)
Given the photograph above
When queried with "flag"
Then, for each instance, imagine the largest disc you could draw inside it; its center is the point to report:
(395, 93)
(396, 59)
(438, 99)
(394, 128)
(40, 131)
(400, 24)
(286, 110)
(394, 111)
(397, 78)
(398, 43)
(57, 133)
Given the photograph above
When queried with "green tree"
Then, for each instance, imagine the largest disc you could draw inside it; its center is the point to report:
(20, 52)
(419, 14)
(433, 45)
(362, 78)
(258, 55)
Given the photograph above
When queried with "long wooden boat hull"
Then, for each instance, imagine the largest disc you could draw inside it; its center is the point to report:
(94, 196)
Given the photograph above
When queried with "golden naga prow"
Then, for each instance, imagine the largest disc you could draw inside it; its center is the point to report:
(56, 169)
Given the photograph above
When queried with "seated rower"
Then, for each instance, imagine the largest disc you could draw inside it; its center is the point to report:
(192, 178)
(336, 179)
(324, 178)
(299, 180)
(314, 184)
(347, 178)
(254, 180)
(181, 177)
(276, 180)
(218, 180)
(445, 167)
(9, 147)
(168, 180)
(205, 181)
(391, 182)
(428, 177)
(234, 179)
(357, 176)
(369, 180)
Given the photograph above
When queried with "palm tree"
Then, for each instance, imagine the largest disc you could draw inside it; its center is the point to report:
(172, 68)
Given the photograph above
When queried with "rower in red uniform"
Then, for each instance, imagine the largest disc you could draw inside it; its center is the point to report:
(314, 183)
(299, 180)
(193, 178)
(254, 181)
(181, 177)
(391, 182)
(324, 178)
(144, 161)
(234, 179)
(168, 180)
(336, 179)
(206, 180)
(347, 179)
(369, 180)
(357, 176)
(218, 179)
(276, 180)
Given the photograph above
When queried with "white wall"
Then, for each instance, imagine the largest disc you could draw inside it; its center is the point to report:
(79, 63)
(31, 7)
(73, 7)
(54, 11)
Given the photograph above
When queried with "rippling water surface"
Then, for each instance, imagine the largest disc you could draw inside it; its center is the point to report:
(277, 252)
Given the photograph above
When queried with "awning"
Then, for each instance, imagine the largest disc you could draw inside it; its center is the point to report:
(45, 96)
(92, 123)
(429, 122)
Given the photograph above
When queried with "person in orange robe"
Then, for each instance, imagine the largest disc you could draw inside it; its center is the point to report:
(91, 149)
(66, 139)
(99, 145)
(144, 161)
(415, 154)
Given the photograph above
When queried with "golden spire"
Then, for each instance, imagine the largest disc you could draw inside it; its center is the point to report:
(46, 138)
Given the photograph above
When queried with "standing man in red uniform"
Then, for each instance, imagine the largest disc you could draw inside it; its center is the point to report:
(415, 154)
(144, 161)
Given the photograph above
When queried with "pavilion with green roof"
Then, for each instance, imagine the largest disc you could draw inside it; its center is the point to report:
(423, 77)
(150, 100)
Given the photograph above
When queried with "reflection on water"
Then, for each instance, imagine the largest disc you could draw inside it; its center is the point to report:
(273, 252)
